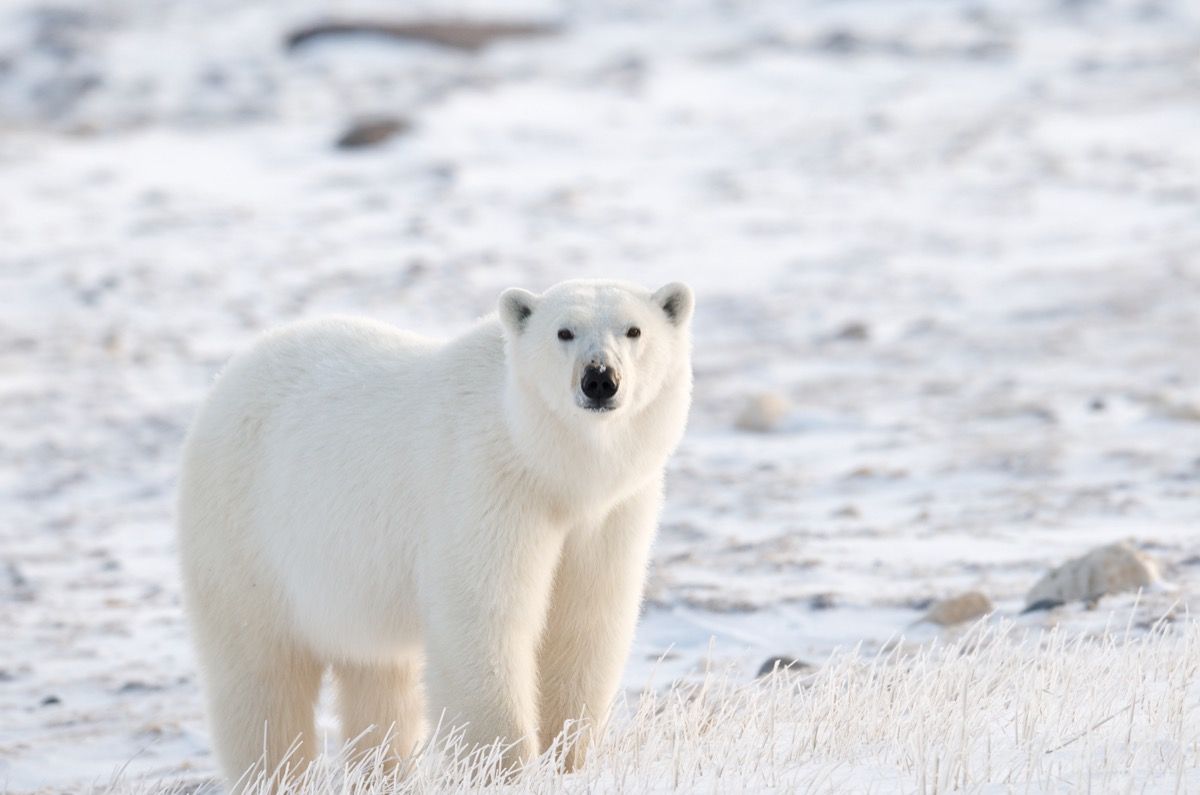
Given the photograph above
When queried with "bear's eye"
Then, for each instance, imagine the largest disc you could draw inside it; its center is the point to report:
(633, 333)
(565, 334)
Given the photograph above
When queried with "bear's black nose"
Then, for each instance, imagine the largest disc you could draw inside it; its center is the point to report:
(599, 384)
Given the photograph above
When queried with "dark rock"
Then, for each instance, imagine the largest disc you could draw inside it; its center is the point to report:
(988, 50)
(136, 686)
(457, 34)
(781, 663)
(15, 584)
(65, 90)
(822, 601)
(50, 701)
(1043, 604)
(372, 132)
(214, 77)
(840, 41)
(854, 331)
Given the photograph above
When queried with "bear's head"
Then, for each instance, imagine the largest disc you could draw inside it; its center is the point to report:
(598, 349)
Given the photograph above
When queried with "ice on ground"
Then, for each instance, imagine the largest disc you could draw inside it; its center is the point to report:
(998, 199)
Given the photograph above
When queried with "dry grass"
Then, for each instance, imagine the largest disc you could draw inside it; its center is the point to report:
(998, 710)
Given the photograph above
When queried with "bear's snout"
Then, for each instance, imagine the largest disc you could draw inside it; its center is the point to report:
(599, 385)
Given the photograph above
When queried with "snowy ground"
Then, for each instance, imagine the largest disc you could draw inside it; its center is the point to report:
(962, 238)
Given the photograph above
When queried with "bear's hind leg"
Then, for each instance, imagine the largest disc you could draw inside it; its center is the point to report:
(381, 701)
(261, 704)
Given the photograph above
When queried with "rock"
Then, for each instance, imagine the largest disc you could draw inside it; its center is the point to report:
(762, 412)
(1173, 408)
(15, 584)
(781, 664)
(959, 609)
(458, 34)
(1105, 570)
(1042, 604)
(138, 686)
(372, 132)
(867, 472)
(854, 331)
(822, 601)
(840, 41)
(723, 604)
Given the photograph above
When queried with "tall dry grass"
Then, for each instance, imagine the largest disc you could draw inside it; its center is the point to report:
(998, 710)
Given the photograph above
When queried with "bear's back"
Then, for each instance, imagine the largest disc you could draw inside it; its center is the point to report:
(333, 383)
(330, 430)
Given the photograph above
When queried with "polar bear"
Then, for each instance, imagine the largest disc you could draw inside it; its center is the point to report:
(459, 529)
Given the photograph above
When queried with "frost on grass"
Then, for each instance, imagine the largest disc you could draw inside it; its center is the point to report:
(960, 238)
(1002, 708)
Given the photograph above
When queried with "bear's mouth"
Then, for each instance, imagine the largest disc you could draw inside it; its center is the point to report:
(598, 406)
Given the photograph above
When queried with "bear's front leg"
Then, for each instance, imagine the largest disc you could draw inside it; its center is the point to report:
(593, 614)
(486, 594)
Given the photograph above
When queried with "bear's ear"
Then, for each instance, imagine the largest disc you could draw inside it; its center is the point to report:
(676, 301)
(516, 305)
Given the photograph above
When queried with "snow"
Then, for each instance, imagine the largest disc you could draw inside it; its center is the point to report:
(984, 714)
(1002, 196)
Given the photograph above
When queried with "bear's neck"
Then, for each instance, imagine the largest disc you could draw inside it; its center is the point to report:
(593, 466)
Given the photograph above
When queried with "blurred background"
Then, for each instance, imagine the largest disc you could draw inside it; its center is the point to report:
(945, 255)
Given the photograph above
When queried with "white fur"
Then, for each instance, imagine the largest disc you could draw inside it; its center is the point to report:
(358, 497)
